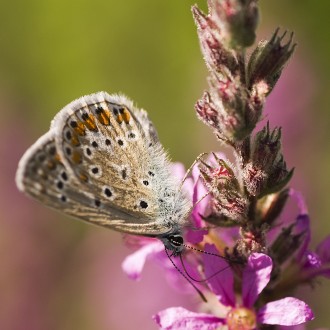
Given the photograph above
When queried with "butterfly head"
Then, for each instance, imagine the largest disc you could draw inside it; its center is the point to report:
(173, 242)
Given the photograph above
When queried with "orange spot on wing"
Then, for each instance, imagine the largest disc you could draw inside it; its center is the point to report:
(83, 176)
(75, 141)
(76, 157)
(104, 117)
(80, 128)
(126, 116)
(57, 157)
(90, 123)
(119, 119)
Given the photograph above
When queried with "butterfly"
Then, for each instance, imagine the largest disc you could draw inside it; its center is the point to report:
(101, 162)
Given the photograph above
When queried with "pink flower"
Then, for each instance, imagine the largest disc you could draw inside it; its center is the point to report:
(288, 311)
(311, 263)
(178, 318)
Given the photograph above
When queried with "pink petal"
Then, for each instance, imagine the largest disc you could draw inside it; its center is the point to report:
(199, 192)
(134, 263)
(323, 250)
(256, 276)
(173, 276)
(312, 260)
(194, 190)
(302, 227)
(287, 311)
(222, 284)
(228, 236)
(300, 201)
(178, 170)
(135, 242)
(178, 318)
(196, 235)
(195, 173)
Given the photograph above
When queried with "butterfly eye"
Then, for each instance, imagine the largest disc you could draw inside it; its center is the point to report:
(176, 240)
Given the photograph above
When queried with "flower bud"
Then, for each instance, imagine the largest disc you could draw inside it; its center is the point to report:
(286, 244)
(279, 177)
(266, 172)
(239, 19)
(225, 107)
(206, 111)
(221, 181)
(266, 148)
(215, 53)
(268, 59)
(227, 126)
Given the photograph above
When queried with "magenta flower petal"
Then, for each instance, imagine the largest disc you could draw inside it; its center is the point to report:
(312, 260)
(196, 235)
(178, 318)
(174, 278)
(134, 263)
(300, 201)
(199, 192)
(256, 276)
(302, 225)
(194, 189)
(200, 208)
(222, 284)
(303, 228)
(286, 311)
(178, 170)
(323, 250)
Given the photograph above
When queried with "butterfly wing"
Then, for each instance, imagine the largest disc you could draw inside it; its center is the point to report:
(96, 164)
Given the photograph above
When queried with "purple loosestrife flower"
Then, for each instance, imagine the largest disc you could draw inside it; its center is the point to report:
(307, 264)
(239, 314)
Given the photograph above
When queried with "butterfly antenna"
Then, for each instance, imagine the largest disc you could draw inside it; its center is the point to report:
(185, 276)
(193, 206)
(201, 280)
(190, 169)
(205, 252)
(202, 251)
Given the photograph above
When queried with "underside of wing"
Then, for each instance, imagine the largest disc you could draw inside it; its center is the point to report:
(112, 150)
(42, 175)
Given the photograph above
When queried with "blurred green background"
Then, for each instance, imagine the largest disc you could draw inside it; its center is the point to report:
(61, 274)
